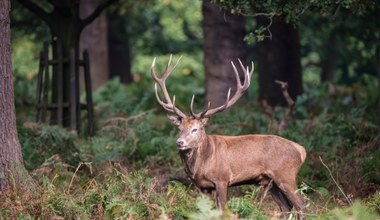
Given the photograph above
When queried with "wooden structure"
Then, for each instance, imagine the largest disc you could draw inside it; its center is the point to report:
(52, 96)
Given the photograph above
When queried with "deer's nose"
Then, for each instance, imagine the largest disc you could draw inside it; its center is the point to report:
(180, 143)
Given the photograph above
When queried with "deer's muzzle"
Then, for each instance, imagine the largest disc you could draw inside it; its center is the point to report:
(180, 144)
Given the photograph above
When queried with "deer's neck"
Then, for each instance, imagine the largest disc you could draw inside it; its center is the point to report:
(196, 156)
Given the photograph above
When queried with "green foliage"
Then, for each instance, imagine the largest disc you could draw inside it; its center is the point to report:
(26, 24)
(65, 206)
(139, 188)
(348, 41)
(206, 210)
(40, 142)
(356, 212)
(370, 167)
(374, 202)
(24, 63)
(178, 201)
(293, 10)
(120, 99)
(134, 138)
(348, 33)
(164, 27)
(244, 207)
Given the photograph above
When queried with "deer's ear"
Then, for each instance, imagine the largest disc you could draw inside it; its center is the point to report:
(175, 120)
(204, 121)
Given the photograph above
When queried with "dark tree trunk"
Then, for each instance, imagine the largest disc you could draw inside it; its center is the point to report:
(279, 59)
(378, 83)
(223, 43)
(11, 162)
(66, 26)
(94, 40)
(329, 60)
(119, 50)
(67, 32)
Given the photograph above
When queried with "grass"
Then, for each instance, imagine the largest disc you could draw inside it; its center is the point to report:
(131, 170)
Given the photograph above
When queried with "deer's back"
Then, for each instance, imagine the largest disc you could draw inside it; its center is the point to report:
(253, 155)
(259, 144)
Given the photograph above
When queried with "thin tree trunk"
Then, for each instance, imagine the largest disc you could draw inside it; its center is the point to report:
(279, 59)
(94, 40)
(68, 32)
(119, 49)
(378, 78)
(223, 43)
(378, 82)
(11, 162)
(329, 62)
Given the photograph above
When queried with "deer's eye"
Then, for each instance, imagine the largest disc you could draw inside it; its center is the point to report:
(194, 130)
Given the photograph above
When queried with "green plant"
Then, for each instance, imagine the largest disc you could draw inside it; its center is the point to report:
(178, 201)
(40, 142)
(356, 212)
(206, 210)
(245, 207)
(374, 202)
(370, 167)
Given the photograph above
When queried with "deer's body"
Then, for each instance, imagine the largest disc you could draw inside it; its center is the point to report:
(215, 162)
(263, 157)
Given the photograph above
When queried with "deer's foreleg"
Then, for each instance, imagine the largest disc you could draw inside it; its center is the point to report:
(221, 194)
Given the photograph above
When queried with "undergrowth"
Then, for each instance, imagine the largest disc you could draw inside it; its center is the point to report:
(131, 170)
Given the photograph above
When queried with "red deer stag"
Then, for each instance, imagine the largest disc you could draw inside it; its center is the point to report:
(215, 162)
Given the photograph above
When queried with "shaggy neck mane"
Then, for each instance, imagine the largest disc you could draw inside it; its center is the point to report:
(193, 156)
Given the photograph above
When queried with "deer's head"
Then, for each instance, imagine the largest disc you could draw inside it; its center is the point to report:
(191, 126)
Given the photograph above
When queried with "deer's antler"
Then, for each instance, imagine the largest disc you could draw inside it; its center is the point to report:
(167, 104)
(240, 89)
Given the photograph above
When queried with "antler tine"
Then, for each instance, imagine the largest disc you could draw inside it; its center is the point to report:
(240, 89)
(176, 110)
(238, 81)
(152, 71)
(222, 107)
(247, 79)
(205, 111)
(191, 107)
(167, 104)
(168, 71)
(198, 115)
(217, 109)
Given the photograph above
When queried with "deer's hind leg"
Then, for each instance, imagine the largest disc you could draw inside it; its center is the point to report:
(289, 190)
(281, 200)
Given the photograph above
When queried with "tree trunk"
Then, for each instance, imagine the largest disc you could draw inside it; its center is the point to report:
(66, 26)
(119, 50)
(94, 40)
(11, 162)
(223, 43)
(67, 31)
(279, 59)
(329, 60)
(378, 83)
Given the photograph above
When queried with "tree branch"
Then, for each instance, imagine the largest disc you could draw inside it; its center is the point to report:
(336, 183)
(291, 104)
(96, 12)
(35, 9)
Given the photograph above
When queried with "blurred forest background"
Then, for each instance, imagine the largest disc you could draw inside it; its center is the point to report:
(328, 52)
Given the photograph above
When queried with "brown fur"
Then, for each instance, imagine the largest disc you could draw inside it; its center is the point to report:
(215, 162)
